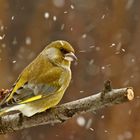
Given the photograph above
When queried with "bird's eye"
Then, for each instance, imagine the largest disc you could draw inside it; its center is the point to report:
(64, 51)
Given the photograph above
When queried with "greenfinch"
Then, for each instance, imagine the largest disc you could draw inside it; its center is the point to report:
(42, 84)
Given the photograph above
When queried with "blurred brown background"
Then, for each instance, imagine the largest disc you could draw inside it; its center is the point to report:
(105, 35)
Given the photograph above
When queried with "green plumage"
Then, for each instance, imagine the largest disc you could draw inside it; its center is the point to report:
(43, 82)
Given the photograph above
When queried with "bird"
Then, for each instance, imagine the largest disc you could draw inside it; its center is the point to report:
(42, 84)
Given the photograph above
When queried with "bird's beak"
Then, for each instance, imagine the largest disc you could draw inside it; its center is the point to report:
(70, 56)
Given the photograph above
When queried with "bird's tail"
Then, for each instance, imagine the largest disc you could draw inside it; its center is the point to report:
(25, 109)
(3, 111)
(6, 110)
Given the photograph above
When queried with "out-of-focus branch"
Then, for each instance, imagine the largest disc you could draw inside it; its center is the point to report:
(58, 114)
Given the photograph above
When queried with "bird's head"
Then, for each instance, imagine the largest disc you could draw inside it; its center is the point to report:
(60, 53)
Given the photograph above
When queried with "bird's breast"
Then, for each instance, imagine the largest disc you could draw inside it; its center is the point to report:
(65, 79)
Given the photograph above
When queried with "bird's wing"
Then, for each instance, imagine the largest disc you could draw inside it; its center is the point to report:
(27, 91)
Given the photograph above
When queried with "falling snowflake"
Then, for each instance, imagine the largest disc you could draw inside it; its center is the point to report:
(12, 18)
(72, 6)
(28, 41)
(14, 61)
(84, 35)
(46, 15)
(62, 26)
(59, 3)
(54, 18)
(81, 121)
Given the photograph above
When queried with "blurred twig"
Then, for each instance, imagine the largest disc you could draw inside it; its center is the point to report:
(61, 113)
(3, 93)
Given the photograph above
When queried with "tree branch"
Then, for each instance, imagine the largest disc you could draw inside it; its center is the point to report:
(58, 114)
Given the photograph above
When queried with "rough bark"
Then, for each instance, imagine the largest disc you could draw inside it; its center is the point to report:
(61, 113)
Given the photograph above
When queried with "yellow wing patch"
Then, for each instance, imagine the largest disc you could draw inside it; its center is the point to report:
(31, 99)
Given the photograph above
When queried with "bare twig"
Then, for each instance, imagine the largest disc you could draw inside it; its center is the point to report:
(58, 114)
